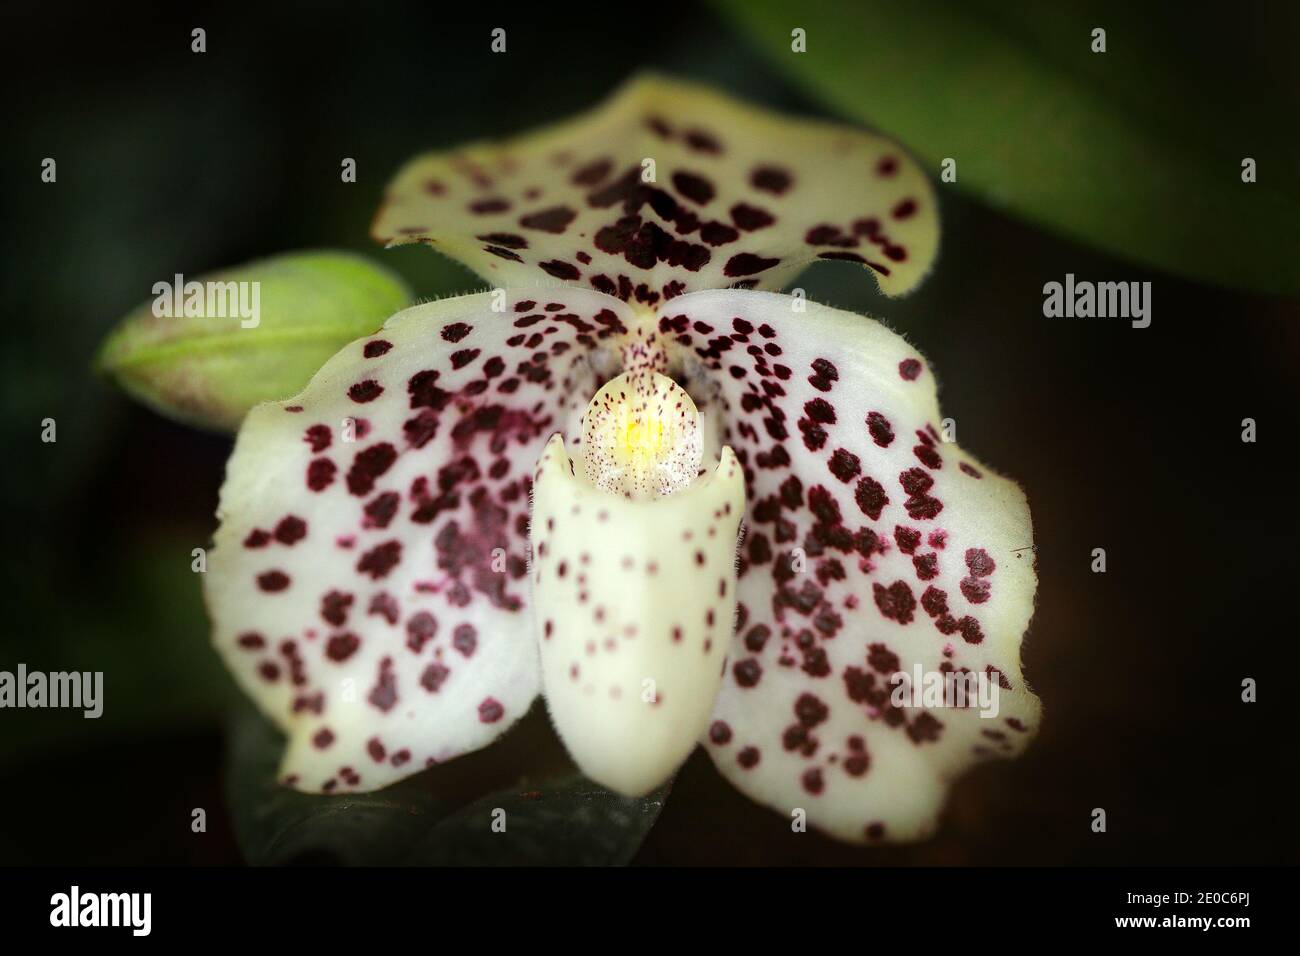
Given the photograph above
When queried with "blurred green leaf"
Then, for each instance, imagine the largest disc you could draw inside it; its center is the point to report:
(562, 821)
(208, 371)
(1137, 150)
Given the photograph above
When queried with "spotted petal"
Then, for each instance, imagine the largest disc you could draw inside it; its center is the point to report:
(668, 188)
(873, 548)
(369, 579)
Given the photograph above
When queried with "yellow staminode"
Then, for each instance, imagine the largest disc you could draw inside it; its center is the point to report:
(641, 436)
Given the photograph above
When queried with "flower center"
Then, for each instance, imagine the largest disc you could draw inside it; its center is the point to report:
(641, 436)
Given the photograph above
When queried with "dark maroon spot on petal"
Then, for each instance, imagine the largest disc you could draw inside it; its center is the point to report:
(323, 738)
(909, 369)
(935, 601)
(977, 590)
(368, 465)
(433, 677)
(820, 410)
(592, 174)
(702, 142)
(464, 357)
(895, 602)
(844, 465)
(318, 437)
(560, 269)
(293, 529)
(970, 470)
(483, 206)
(925, 728)
(273, 581)
(812, 781)
(341, 646)
(970, 630)
(882, 433)
(887, 166)
(379, 512)
(717, 234)
(373, 349)
(928, 456)
(871, 498)
(748, 757)
(456, 331)
(747, 672)
(334, 607)
(905, 209)
(749, 217)
(554, 220)
(770, 179)
(828, 235)
(420, 629)
(421, 428)
(504, 240)
(251, 641)
(376, 750)
(320, 474)
(824, 374)
(927, 566)
(381, 559)
(810, 710)
(384, 694)
(490, 710)
(720, 732)
(907, 538)
(746, 263)
(424, 392)
(979, 562)
(882, 659)
(257, 538)
(920, 505)
(465, 639)
(694, 187)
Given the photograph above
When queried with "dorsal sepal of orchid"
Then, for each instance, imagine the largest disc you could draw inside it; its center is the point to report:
(668, 188)
(634, 603)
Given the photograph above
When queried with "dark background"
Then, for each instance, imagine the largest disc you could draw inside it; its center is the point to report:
(1125, 439)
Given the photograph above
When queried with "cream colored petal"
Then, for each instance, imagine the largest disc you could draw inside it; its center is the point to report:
(666, 188)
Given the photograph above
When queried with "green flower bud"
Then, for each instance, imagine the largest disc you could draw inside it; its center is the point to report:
(205, 350)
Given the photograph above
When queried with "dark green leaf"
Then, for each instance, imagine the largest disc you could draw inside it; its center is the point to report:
(423, 821)
(1137, 150)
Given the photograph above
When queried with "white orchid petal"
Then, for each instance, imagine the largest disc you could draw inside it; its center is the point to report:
(872, 547)
(369, 588)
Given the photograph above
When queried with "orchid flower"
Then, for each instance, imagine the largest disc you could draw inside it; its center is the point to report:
(684, 509)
